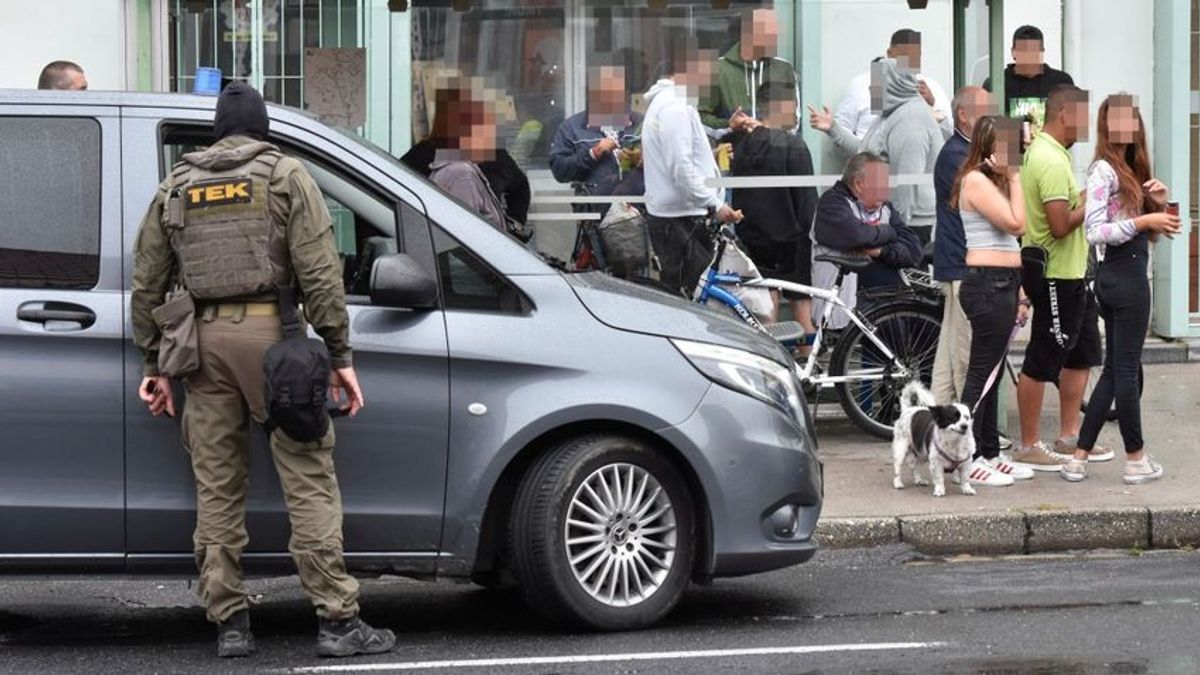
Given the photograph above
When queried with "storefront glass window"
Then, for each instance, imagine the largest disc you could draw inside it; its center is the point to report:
(520, 50)
(537, 53)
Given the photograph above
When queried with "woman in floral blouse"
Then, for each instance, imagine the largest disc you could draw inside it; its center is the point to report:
(1124, 214)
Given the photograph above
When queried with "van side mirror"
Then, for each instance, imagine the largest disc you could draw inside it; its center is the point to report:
(398, 281)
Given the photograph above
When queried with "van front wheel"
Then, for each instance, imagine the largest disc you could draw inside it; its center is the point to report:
(603, 534)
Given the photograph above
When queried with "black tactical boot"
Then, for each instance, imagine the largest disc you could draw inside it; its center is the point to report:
(233, 636)
(352, 636)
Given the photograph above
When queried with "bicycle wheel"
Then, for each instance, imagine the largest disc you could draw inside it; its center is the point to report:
(910, 331)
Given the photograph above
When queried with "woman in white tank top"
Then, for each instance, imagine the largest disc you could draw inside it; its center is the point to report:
(987, 192)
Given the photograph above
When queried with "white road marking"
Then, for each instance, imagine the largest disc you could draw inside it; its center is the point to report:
(609, 658)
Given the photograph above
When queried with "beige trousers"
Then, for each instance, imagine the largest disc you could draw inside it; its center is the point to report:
(222, 398)
(953, 350)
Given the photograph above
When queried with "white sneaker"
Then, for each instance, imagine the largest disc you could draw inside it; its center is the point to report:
(1074, 470)
(1005, 466)
(982, 473)
(1098, 453)
(1144, 471)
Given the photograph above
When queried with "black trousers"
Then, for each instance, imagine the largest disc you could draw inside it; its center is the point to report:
(989, 299)
(685, 249)
(1124, 297)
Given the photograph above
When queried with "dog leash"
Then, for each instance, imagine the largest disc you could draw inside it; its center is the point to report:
(995, 374)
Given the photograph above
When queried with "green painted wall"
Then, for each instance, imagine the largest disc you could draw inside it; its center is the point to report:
(1172, 99)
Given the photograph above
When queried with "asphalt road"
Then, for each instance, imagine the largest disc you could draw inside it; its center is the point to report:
(880, 611)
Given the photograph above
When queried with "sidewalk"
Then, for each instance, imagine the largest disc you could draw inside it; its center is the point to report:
(1045, 514)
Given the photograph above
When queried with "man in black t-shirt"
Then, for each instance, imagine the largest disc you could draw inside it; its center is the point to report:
(1028, 80)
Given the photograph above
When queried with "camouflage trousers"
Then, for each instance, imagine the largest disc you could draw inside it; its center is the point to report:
(222, 399)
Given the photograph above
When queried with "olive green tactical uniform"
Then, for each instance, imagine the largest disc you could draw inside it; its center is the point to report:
(231, 222)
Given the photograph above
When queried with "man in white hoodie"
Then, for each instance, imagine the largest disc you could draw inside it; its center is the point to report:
(677, 162)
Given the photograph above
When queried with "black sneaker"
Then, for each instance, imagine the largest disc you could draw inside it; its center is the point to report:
(352, 636)
(234, 638)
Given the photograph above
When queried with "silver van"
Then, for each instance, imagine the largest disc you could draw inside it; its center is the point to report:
(598, 443)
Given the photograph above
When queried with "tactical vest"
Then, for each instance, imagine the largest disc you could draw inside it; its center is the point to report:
(221, 229)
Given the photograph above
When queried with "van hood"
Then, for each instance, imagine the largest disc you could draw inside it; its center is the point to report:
(640, 309)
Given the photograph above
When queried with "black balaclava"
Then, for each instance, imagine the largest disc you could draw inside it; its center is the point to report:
(241, 111)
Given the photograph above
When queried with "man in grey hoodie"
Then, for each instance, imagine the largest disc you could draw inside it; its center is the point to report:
(678, 163)
(906, 134)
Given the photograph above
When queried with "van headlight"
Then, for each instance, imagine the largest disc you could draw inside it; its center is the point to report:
(747, 373)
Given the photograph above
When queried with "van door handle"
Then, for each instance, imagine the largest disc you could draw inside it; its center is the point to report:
(53, 315)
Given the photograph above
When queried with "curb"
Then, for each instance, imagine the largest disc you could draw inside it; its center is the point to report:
(1028, 531)
(1157, 351)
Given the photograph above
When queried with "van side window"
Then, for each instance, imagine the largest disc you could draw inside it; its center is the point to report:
(49, 202)
(468, 283)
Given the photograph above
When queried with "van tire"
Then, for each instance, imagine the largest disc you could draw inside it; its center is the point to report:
(538, 534)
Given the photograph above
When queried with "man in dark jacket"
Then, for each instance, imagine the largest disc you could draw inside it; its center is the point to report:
(1028, 80)
(855, 218)
(587, 148)
(776, 229)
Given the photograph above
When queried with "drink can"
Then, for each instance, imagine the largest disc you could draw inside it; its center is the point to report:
(1172, 208)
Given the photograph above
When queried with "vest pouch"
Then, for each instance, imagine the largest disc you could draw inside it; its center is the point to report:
(179, 347)
(296, 374)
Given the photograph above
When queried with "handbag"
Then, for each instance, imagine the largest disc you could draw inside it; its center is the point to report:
(179, 346)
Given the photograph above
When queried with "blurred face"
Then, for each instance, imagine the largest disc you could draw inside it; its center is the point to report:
(872, 187)
(876, 88)
(780, 115)
(607, 97)
(1123, 124)
(1008, 145)
(909, 55)
(1029, 55)
(760, 36)
(478, 142)
(978, 105)
(698, 74)
(1075, 118)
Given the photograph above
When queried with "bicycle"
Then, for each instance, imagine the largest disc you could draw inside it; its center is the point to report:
(890, 343)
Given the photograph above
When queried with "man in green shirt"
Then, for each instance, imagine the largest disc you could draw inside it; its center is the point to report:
(1065, 339)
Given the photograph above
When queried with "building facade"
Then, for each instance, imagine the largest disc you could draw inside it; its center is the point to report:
(369, 64)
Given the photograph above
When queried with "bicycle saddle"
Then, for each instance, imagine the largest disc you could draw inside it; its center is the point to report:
(848, 263)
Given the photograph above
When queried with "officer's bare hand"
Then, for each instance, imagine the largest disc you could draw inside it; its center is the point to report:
(343, 383)
(155, 392)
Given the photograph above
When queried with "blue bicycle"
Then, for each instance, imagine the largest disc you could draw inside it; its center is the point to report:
(889, 343)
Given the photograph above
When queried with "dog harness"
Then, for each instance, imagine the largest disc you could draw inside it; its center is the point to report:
(924, 429)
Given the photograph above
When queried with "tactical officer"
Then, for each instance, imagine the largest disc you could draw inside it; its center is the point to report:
(231, 224)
